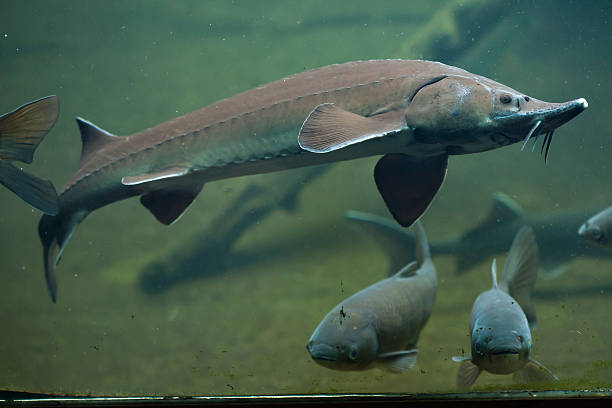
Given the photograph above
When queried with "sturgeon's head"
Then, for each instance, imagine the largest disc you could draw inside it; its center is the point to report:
(344, 341)
(473, 114)
(499, 346)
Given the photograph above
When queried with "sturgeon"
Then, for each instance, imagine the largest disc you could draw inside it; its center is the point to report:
(380, 325)
(415, 113)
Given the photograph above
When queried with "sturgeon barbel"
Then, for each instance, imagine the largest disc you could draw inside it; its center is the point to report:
(415, 113)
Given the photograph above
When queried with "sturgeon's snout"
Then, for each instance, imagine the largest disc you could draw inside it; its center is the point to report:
(322, 352)
(561, 113)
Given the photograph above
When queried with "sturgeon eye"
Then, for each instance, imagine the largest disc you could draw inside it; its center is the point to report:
(596, 233)
(353, 353)
(521, 339)
(505, 99)
(526, 98)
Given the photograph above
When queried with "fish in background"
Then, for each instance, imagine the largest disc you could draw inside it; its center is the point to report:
(502, 319)
(415, 113)
(21, 131)
(380, 325)
(211, 251)
(556, 232)
(597, 230)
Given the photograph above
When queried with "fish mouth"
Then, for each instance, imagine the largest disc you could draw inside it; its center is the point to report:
(322, 352)
(545, 118)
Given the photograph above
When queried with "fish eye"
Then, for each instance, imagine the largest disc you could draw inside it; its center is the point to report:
(596, 233)
(527, 99)
(521, 339)
(505, 99)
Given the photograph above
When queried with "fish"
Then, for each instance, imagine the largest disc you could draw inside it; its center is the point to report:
(21, 131)
(502, 319)
(597, 230)
(415, 113)
(379, 326)
(556, 232)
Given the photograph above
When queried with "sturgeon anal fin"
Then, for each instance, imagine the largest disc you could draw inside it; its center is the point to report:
(330, 128)
(467, 374)
(168, 205)
(23, 129)
(93, 138)
(35, 191)
(398, 361)
(409, 185)
(534, 371)
(154, 176)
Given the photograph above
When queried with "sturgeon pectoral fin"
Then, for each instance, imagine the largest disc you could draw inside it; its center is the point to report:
(168, 205)
(467, 374)
(24, 128)
(154, 176)
(399, 361)
(330, 128)
(408, 270)
(408, 185)
(534, 371)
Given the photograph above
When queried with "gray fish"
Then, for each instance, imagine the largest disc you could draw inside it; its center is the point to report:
(380, 325)
(502, 319)
(415, 113)
(597, 230)
(556, 232)
(21, 131)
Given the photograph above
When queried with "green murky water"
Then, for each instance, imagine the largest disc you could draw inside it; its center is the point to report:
(240, 327)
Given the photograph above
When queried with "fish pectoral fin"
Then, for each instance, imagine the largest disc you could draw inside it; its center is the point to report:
(407, 185)
(154, 176)
(330, 128)
(534, 371)
(459, 359)
(37, 192)
(467, 374)
(169, 204)
(24, 128)
(398, 361)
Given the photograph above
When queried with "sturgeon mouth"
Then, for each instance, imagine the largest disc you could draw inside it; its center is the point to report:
(545, 120)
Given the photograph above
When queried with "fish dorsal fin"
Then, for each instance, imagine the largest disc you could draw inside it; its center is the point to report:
(408, 270)
(330, 128)
(503, 209)
(521, 271)
(494, 272)
(398, 361)
(395, 240)
(168, 205)
(22, 129)
(93, 138)
(408, 185)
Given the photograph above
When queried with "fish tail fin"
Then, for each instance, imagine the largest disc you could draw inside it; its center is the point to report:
(37, 192)
(54, 232)
(521, 271)
(396, 241)
(422, 251)
(503, 210)
(22, 130)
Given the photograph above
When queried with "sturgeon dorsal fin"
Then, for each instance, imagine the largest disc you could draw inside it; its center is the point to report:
(169, 204)
(93, 138)
(330, 128)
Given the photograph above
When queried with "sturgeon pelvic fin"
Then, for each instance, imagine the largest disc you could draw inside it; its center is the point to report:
(169, 204)
(330, 128)
(408, 185)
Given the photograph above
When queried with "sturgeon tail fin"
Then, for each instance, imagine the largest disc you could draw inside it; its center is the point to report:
(521, 271)
(22, 130)
(54, 233)
(37, 192)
